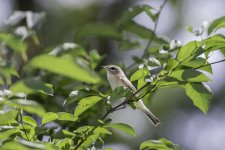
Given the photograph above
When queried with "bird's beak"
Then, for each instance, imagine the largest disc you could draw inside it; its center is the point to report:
(104, 67)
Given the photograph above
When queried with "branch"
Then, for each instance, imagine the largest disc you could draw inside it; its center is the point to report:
(21, 120)
(152, 36)
(210, 64)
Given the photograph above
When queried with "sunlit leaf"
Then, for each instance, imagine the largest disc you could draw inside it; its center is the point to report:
(80, 94)
(190, 49)
(161, 144)
(48, 117)
(189, 75)
(66, 116)
(102, 130)
(122, 127)
(5, 133)
(30, 85)
(200, 94)
(216, 24)
(29, 120)
(29, 106)
(66, 66)
(198, 63)
(141, 73)
(8, 117)
(216, 42)
(85, 104)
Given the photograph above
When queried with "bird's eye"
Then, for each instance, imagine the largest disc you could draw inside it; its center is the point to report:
(112, 68)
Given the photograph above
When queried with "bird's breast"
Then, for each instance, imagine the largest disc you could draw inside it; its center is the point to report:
(114, 81)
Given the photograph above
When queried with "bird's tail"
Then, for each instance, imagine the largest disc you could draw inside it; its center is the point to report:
(153, 119)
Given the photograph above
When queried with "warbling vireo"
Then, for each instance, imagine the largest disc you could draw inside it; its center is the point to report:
(116, 78)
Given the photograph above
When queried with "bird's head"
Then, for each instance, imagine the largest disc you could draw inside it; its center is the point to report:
(113, 70)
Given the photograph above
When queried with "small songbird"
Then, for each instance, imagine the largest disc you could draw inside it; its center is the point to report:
(116, 78)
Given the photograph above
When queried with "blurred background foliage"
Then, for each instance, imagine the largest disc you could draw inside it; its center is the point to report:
(94, 33)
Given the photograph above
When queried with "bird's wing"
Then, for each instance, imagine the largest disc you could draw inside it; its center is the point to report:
(128, 84)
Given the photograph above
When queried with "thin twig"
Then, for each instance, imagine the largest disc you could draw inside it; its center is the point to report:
(152, 36)
(210, 64)
(21, 120)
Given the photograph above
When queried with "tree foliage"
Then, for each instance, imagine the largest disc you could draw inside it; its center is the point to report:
(52, 100)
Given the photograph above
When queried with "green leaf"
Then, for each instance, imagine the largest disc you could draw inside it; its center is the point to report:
(102, 130)
(8, 117)
(13, 42)
(122, 127)
(216, 24)
(189, 50)
(119, 92)
(189, 75)
(30, 85)
(198, 63)
(128, 44)
(161, 144)
(48, 117)
(143, 32)
(81, 94)
(133, 12)
(140, 73)
(28, 106)
(85, 104)
(66, 116)
(5, 133)
(66, 66)
(29, 120)
(99, 29)
(64, 134)
(200, 94)
(215, 42)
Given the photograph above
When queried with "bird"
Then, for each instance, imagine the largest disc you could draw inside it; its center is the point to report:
(116, 78)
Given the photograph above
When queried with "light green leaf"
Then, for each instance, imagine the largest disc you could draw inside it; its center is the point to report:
(161, 144)
(62, 134)
(66, 116)
(80, 94)
(29, 106)
(215, 42)
(140, 73)
(189, 50)
(122, 127)
(189, 75)
(85, 104)
(216, 24)
(102, 130)
(8, 117)
(13, 42)
(198, 63)
(30, 85)
(48, 117)
(99, 29)
(29, 120)
(5, 133)
(200, 94)
(11, 146)
(66, 66)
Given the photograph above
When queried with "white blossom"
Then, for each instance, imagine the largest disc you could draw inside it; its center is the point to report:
(73, 93)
